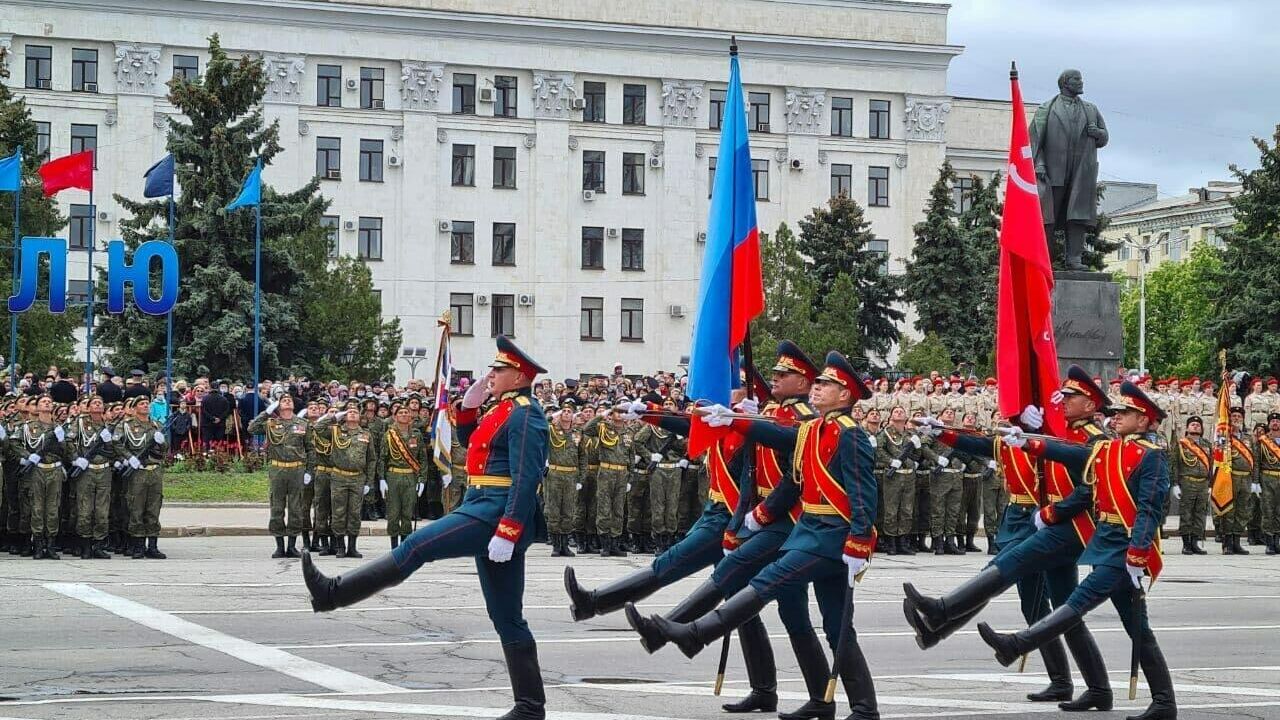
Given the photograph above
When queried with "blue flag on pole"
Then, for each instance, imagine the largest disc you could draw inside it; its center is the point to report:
(251, 193)
(158, 180)
(11, 172)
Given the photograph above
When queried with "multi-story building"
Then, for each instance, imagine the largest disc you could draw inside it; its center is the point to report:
(539, 167)
(1171, 226)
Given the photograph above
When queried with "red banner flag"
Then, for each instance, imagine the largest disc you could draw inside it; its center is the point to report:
(71, 171)
(1026, 354)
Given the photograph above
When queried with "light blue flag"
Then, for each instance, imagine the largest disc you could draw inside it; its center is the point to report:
(11, 172)
(251, 193)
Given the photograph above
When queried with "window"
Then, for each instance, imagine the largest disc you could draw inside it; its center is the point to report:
(504, 315)
(717, 109)
(377, 298)
(1123, 252)
(330, 224)
(329, 85)
(842, 116)
(1177, 242)
(592, 248)
(759, 111)
(371, 160)
(84, 70)
(42, 138)
(632, 249)
(594, 95)
(632, 173)
(504, 96)
(504, 167)
(186, 67)
(464, 165)
(78, 292)
(504, 243)
(878, 120)
(593, 170)
(841, 180)
(633, 319)
(39, 67)
(760, 177)
(85, 137)
(880, 248)
(633, 104)
(877, 186)
(329, 158)
(372, 82)
(592, 325)
(369, 242)
(711, 176)
(462, 243)
(464, 94)
(962, 194)
(462, 313)
(80, 227)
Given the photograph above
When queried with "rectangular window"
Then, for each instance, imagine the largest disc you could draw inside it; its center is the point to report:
(504, 243)
(42, 138)
(372, 85)
(717, 109)
(186, 67)
(633, 104)
(330, 224)
(632, 249)
(633, 319)
(593, 170)
(842, 117)
(80, 227)
(1123, 252)
(369, 244)
(760, 177)
(632, 173)
(371, 160)
(329, 158)
(504, 96)
(878, 120)
(78, 292)
(464, 94)
(504, 167)
(877, 186)
(462, 311)
(962, 194)
(1177, 242)
(504, 315)
(462, 243)
(464, 165)
(377, 298)
(592, 325)
(84, 70)
(841, 180)
(592, 248)
(85, 137)
(329, 85)
(711, 176)
(759, 111)
(881, 249)
(594, 95)
(39, 67)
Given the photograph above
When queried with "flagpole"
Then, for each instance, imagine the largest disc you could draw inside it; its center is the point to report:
(13, 317)
(88, 312)
(168, 329)
(257, 299)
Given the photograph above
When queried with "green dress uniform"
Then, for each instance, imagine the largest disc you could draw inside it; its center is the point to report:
(17, 489)
(456, 490)
(614, 451)
(638, 525)
(353, 464)
(44, 454)
(1192, 458)
(91, 443)
(136, 445)
(664, 482)
(402, 468)
(899, 481)
(945, 498)
(586, 515)
(321, 487)
(378, 427)
(1244, 475)
(289, 462)
(1269, 479)
(695, 486)
(566, 464)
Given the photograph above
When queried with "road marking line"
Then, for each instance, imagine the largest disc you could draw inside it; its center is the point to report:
(271, 658)
(296, 701)
(1017, 679)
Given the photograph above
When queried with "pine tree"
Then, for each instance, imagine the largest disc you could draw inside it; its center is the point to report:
(43, 338)
(788, 292)
(831, 326)
(937, 282)
(837, 238)
(980, 227)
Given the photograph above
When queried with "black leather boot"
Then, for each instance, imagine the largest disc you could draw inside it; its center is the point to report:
(858, 685)
(616, 547)
(339, 547)
(960, 548)
(306, 541)
(813, 666)
(926, 638)
(1227, 547)
(395, 540)
(1186, 545)
(1011, 646)
(969, 596)
(968, 543)
(1060, 688)
(701, 601)
(279, 553)
(1237, 547)
(991, 546)
(907, 545)
(84, 548)
(890, 544)
(351, 587)
(97, 551)
(950, 548)
(1163, 705)
(37, 552)
(351, 547)
(526, 682)
(152, 551)
(139, 549)
(565, 550)
(1197, 548)
(585, 604)
(292, 552)
(692, 637)
(1255, 536)
(1097, 694)
(555, 545)
(326, 546)
(1273, 544)
(762, 672)
(50, 551)
(938, 547)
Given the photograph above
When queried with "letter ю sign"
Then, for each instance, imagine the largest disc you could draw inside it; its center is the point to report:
(119, 273)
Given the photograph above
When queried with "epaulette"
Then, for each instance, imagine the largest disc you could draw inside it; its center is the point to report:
(1094, 430)
(522, 400)
(1149, 445)
(804, 410)
(847, 422)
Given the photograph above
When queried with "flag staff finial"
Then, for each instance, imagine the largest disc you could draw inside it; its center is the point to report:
(733, 45)
(1013, 70)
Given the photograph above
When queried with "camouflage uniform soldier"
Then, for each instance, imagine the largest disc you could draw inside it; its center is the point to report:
(401, 472)
(1244, 482)
(453, 493)
(970, 491)
(9, 520)
(353, 463)
(995, 498)
(289, 459)
(899, 451)
(587, 496)
(40, 444)
(311, 491)
(668, 457)
(945, 494)
(377, 427)
(566, 464)
(695, 485)
(614, 449)
(1191, 460)
(322, 482)
(638, 525)
(139, 445)
(90, 440)
(1269, 479)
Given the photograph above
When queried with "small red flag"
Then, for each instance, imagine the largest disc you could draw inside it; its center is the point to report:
(71, 171)
(1026, 354)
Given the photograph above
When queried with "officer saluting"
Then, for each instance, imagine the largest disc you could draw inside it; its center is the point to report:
(496, 523)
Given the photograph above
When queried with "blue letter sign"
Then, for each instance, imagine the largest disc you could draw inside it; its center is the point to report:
(120, 271)
(31, 248)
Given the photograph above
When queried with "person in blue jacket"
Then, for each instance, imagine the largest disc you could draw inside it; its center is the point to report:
(1128, 479)
(496, 522)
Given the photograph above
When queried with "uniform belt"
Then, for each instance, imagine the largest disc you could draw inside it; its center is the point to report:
(668, 466)
(324, 468)
(951, 470)
(1199, 477)
(342, 473)
(1241, 473)
(612, 466)
(401, 471)
(820, 509)
(489, 481)
(48, 466)
(564, 468)
(152, 466)
(1109, 517)
(905, 471)
(99, 466)
(1020, 499)
(1271, 473)
(283, 464)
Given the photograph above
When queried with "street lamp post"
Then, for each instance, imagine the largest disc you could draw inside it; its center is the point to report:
(413, 356)
(1144, 257)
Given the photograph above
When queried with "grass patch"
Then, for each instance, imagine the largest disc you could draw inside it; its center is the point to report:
(215, 487)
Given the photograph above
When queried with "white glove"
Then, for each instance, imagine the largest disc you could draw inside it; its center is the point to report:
(748, 406)
(159, 437)
(872, 439)
(1255, 488)
(1177, 492)
(340, 416)
(420, 487)
(1013, 436)
(930, 426)
(117, 465)
(655, 457)
(1032, 417)
(105, 435)
(992, 465)
(365, 491)
(445, 481)
(59, 433)
(33, 459)
(718, 416)
(943, 461)
(635, 460)
(4, 434)
(476, 393)
(628, 487)
(500, 549)
(683, 463)
(134, 462)
(752, 524)
(271, 408)
(855, 567)
(301, 413)
(895, 463)
(306, 478)
(577, 486)
(631, 410)
(382, 486)
(1135, 574)
(82, 463)
(915, 441)
(1039, 521)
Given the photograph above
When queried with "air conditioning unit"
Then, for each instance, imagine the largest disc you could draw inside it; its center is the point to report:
(445, 226)
(675, 311)
(485, 95)
(702, 236)
(332, 174)
(91, 87)
(349, 225)
(43, 84)
(393, 160)
(655, 161)
(352, 84)
(482, 299)
(588, 195)
(578, 104)
(524, 300)
(377, 104)
(613, 232)
(104, 216)
(797, 164)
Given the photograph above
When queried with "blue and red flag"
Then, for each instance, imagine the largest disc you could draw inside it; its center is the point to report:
(732, 291)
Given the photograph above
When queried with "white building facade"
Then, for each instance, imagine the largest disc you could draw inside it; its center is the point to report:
(540, 167)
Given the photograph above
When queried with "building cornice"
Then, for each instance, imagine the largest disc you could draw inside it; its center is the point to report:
(1166, 220)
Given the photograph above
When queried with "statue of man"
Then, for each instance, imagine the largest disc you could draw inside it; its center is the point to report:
(1065, 136)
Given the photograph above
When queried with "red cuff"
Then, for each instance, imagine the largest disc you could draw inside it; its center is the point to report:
(948, 438)
(466, 416)
(859, 547)
(1049, 514)
(761, 514)
(1034, 447)
(1138, 557)
(730, 541)
(509, 529)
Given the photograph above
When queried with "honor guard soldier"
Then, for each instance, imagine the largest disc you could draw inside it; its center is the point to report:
(975, 471)
(668, 459)
(139, 443)
(322, 477)
(90, 442)
(1127, 479)
(1269, 479)
(289, 463)
(402, 471)
(496, 523)
(1244, 482)
(565, 465)
(1192, 463)
(899, 452)
(41, 448)
(310, 521)
(944, 494)
(352, 466)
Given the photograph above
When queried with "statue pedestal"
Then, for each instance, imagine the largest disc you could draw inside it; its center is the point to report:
(1086, 322)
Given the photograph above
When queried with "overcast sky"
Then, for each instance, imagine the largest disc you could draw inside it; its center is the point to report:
(1182, 84)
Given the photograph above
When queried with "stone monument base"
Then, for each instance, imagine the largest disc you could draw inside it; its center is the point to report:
(1086, 322)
